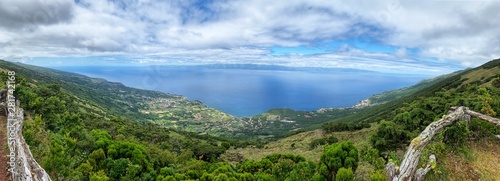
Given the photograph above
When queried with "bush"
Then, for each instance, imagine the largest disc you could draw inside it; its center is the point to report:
(496, 82)
(389, 136)
(456, 135)
(341, 126)
(323, 141)
(378, 176)
(336, 156)
(344, 175)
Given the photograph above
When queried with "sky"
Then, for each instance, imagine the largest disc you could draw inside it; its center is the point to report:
(430, 37)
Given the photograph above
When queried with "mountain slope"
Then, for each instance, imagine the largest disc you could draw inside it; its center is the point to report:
(99, 96)
(464, 151)
(74, 137)
(398, 93)
(173, 111)
(452, 81)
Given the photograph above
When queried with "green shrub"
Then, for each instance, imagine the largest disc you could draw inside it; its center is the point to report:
(378, 176)
(344, 174)
(336, 156)
(323, 141)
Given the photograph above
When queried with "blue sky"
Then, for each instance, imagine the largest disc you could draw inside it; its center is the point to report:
(394, 36)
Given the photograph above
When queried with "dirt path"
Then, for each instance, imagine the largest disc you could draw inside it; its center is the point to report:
(4, 150)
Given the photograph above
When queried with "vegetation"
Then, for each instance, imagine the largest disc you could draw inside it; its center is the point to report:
(341, 126)
(74, 138)
(323, 141)
(337, 157)
(80, 128)
(396, 122)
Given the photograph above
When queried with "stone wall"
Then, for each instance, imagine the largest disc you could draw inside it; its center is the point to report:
(25, 167)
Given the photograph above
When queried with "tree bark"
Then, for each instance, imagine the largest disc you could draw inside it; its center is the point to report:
(421, 172)
(412, 155)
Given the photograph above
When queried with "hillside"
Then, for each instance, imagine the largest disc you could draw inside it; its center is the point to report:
(177, 112)
(75, 136)
(169, 110)
(465, 151)
(398, 93)
(80, 128)
(99, 96)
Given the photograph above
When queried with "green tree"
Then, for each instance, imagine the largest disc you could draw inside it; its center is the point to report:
(221, 177)
(344, 174)
(207, 177)
(302, 171)
(336, 156)
(378, 176)
(246, 177)
(389, 136)
(496, 82)
(486, 100)
(99, 176)
(96, 159)
(282, 169)
(118, 168)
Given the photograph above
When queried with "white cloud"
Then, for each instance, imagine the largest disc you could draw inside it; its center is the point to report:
(464, 32)
(18, 14)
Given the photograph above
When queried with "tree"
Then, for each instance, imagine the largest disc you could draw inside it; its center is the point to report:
(246, 177)
(336, 156)
(496, 82)
(302, 171)
(486, 100)
(282, 169)
(99, 176)
(389, 136)
(344, 174)
(221, 177)
(378, 176)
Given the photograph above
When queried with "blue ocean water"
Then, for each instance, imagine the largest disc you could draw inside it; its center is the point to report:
(246, 92)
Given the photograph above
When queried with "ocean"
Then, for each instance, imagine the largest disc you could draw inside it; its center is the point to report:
(246, 90)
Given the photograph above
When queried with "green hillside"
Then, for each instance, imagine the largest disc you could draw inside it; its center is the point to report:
(398, 93)
(85, 131)
(465, 150)
(81, 128)
(99, 96)
(167, 110)
(176, 112)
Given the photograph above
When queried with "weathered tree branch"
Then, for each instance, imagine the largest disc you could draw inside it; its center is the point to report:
(390, 168)
(480, 116)
(421, 172)
(412, 155)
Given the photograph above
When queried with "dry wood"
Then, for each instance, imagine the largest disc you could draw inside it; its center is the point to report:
(412, 155)
(421, 172)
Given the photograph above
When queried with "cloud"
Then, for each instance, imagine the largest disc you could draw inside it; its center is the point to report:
(387, 35)
(17, 14)
(401, 53)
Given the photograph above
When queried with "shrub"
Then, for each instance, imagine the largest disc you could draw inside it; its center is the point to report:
(344, 175)
(336, 156)
(323, 141)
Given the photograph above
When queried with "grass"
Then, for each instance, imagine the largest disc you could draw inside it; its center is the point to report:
(478, 162)
(301, 142)
(487, 158)
(479, 74)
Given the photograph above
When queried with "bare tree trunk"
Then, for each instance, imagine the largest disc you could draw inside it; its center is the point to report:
(421, 172)
(412, 155)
